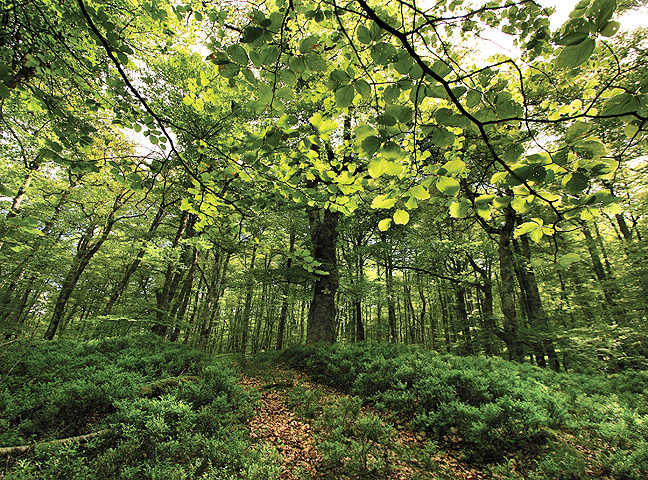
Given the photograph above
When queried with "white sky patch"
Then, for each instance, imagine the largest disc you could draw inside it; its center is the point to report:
(494, 41)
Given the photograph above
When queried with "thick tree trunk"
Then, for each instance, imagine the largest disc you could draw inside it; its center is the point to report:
(322, 313)
(507, 288)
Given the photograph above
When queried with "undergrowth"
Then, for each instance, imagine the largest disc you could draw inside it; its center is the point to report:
(563, 425)
(166, 411)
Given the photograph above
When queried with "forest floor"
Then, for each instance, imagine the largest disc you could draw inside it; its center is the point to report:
(292, 424)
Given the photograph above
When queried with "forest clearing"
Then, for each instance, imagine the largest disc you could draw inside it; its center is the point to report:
(323, 239)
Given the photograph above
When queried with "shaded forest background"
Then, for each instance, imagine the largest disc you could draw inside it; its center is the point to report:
(304, 208)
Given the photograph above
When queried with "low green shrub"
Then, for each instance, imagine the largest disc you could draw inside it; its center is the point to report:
(166, 411)
(493, 408)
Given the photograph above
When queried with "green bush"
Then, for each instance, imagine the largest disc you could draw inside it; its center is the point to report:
(494, 408)
(486, 403)
(168, 412)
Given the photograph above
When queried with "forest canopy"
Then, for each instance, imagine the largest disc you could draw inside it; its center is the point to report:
(327, 171)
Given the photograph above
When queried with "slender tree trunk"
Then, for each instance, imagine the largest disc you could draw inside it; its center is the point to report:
(322, 313)
(423, 311)
(534, 307)
(185, 296)
(210, 303)
(460, 295)
(166, 293)
(285, 293)
(597, 266)
(247, 306)
(85, 252)
(20, 195)
(120, 287)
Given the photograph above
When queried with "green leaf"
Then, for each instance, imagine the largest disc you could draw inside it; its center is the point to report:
(5, 192)
(371, 145)
(610, 29)
(309, 44)
(323, 125)
(576, 131)
(386, 119)
(405, 115)
(392, 151)
(520, 205)
(364, 35)
(419, 192)
(287, 121)
(391, 93)
(455, 166)
(575, 182)
(250, 34)
(575, 32)
(569, 258)
(575, 55)
(363, 88)
(5, 92)
(473, 98)
(442, 137)
(384, 224)
(270, 55)
(230, 70)
(404, 63)
(381, 201)
(525, 228)
(601, 11)
(383, 53)
(502, 202)
(377, 167)
(344, 96)
(394, 169)
(401, 217)
(447, 185)
(621, 104)
(288, 77)
(460, 208)
(441, 68)
(237, 54)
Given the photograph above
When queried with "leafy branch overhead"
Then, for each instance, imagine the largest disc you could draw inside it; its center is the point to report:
(407, 78)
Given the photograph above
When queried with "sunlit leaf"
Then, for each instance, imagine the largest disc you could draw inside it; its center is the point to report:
(401, 217)
(459, 209)
(447, 185)
(384, 224)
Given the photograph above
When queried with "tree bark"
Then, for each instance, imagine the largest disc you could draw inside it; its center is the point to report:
(171, 281)
(507, 287)
(85, 252)
(120, 287)
(321, 325)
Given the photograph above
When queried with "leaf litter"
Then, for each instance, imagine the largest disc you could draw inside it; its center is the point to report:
(410, 455)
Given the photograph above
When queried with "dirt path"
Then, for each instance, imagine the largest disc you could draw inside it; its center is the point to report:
(275, 424)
